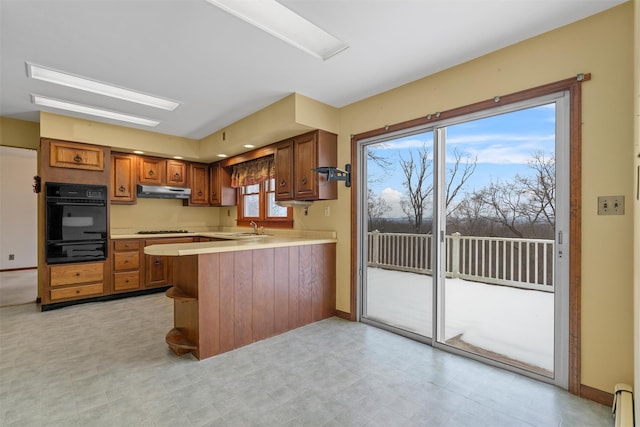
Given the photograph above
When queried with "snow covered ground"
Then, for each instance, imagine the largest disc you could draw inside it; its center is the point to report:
(517, 323)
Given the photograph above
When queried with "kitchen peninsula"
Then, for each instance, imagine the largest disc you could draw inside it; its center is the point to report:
(230, 293)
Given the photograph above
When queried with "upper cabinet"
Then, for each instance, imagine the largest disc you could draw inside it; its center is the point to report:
(220, 191)
(75, 156)
(157, 171)
(295, 160)
(176, 173)
(199, 182)
(150, 170)
(122, 188)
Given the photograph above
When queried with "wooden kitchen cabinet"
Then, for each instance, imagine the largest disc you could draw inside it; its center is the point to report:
(158, 171)
(176, 173)
(221, 192)
(295, 160)
(150, 170)
(71, 155)
(72, 281)
(158, 269)
(199, 183)
(123, 178)
(126, 265)
(283, 158)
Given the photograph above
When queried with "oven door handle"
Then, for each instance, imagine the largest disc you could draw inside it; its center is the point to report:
(56, 203)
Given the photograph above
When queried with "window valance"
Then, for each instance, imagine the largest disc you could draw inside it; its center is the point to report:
(253, 172)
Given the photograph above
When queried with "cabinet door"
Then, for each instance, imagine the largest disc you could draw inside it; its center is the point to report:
(199, 181)
(221, 192)
(76, 156)
(306, 158)
(123, 178)
(284, 170)
(157, 270)
(150, 171)
(176, 173)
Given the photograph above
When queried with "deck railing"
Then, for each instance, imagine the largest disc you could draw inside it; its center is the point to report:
(521, 263)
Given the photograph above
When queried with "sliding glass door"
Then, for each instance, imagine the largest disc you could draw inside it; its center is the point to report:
(464, 227)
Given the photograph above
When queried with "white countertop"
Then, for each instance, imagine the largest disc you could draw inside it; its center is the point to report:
(239, 244)
(236, 239)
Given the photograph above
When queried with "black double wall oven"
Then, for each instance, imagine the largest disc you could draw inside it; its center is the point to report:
(76, 222)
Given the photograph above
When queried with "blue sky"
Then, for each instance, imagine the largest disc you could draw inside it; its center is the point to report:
(503, 145)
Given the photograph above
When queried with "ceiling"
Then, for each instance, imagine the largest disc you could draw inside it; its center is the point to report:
(222, 69)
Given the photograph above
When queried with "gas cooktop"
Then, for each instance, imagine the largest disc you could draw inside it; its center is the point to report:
(162, 231)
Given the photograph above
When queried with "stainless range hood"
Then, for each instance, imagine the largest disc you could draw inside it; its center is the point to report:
(162, 192)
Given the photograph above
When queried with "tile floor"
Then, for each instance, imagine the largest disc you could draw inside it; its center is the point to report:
(18, 287)
(106, 364)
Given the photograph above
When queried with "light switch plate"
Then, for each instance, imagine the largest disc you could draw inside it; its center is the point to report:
(611, 205)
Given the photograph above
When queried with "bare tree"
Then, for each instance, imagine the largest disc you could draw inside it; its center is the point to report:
(377, 207)
(457, 177)
(522, 205)
(418, 182)
(419, 186)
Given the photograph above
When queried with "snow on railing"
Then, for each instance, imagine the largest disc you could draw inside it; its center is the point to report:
(521, 263)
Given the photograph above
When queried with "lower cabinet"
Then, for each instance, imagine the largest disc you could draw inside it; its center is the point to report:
(71, 281)
(126, 265)
(159, 269)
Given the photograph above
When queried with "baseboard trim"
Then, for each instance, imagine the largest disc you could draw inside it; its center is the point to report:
(344, 315)
(596, 395)
(18, 269)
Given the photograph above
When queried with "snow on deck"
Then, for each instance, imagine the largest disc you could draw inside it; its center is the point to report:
(513, 322)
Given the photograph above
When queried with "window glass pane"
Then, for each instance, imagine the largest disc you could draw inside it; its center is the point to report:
(252, 189)
(252, 205)
(275, 211)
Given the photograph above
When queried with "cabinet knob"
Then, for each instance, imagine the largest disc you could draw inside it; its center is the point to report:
(77, 158)
(157, 261)
(214, 194)
(151, 172)
(304, 180)
(121, 189)
(283, 183)
(200, 193)
(78, 274)
(126, 261)
(176, 176)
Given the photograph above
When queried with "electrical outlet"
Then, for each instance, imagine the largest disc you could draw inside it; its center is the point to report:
(327, 211)
(611, 205)
(12, 257)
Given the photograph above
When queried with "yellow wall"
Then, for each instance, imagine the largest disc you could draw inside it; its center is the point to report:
(19, 133)
(601, 45)
(118, 137)
(636, 222)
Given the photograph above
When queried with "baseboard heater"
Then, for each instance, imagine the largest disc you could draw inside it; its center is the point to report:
(623, 406)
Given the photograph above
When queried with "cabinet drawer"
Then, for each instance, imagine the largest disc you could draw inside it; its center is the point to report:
(78, 273)
(76, 156)
(126, 260)
(126, 245)
(128, 280)
(76, 291)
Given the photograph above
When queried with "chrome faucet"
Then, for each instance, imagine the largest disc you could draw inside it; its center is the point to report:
(254, 226)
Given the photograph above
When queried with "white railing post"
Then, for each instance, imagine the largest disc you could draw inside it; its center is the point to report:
(455, 254)
(375, 247)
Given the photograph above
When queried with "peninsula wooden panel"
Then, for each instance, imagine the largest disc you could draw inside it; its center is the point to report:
(227, 302)
(209, 272)
(281, 290)
(305, 285)
(243, 297)
(294, 288)
(263, 293)
(246, 296)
